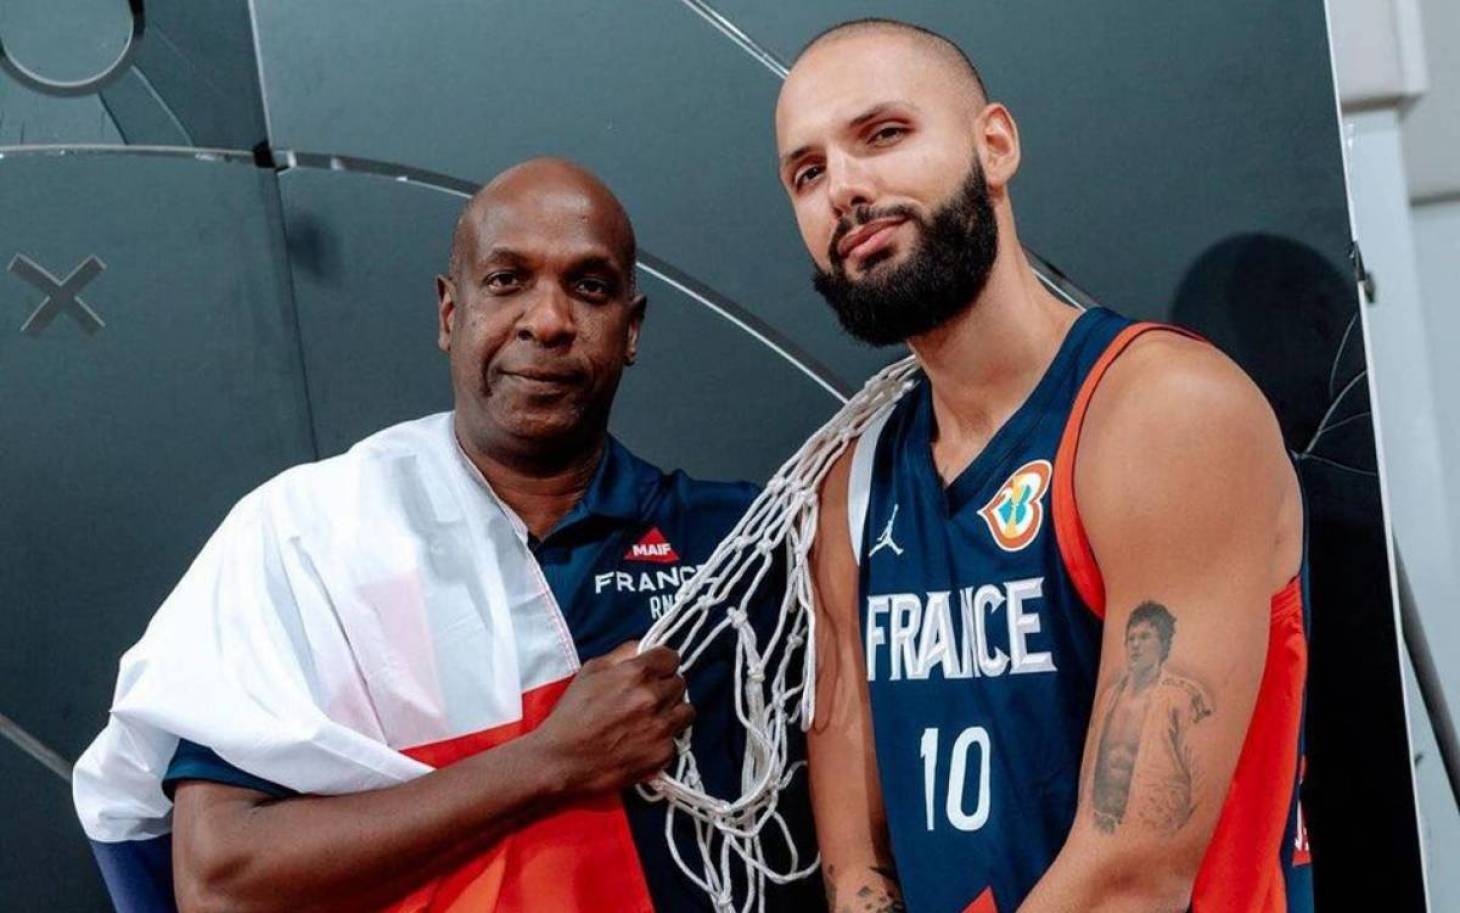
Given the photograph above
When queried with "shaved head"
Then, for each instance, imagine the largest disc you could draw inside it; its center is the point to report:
(551, 181)
(958, 64)
(538, 315)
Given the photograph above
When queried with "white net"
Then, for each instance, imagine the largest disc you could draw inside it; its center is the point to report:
(774, 680)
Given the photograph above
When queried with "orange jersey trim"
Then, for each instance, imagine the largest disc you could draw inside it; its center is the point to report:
(1070, 536)
(1242, 869)
(984, 903)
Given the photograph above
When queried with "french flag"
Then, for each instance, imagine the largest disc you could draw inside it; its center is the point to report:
(351, 625)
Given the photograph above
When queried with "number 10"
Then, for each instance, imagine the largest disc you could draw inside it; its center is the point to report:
(958, 769)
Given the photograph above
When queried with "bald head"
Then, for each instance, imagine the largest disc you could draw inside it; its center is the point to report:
(548, 186)
(539, 316)
(947, 55)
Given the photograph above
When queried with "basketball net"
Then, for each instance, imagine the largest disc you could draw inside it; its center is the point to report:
(774, 681)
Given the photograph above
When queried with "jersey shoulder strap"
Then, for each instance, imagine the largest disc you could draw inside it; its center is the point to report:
(859, 486)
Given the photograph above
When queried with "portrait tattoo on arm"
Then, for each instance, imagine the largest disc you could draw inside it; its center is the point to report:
(1145, 768)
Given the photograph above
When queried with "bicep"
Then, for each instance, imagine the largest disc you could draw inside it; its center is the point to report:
(1179, 673)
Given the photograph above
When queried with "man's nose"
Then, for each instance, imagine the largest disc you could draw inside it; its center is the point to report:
(849, 184)
(548, 319)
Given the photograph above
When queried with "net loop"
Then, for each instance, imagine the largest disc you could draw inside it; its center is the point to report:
(773, 679)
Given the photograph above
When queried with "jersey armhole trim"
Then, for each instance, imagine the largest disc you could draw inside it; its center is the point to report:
(1074, 544)
(859, 484)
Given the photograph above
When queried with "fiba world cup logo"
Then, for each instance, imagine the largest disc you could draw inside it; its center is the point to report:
(1016, 512)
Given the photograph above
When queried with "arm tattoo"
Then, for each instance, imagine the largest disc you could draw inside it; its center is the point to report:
(877, 894)
(1144, 764)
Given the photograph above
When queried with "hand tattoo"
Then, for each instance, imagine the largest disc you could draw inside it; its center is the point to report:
(883, 896)
(1143, 753)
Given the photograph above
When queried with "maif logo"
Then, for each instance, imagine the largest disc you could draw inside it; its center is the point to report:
(652, 547)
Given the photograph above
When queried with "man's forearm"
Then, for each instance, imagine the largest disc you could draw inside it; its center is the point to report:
(360, 851)
(1093, 881)
(236, 850)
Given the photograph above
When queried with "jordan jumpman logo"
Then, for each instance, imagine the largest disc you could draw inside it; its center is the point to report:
(885, 540)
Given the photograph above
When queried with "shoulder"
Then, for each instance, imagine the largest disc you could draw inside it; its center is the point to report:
(431, 435)
(675, 498)
(330, 489)
(710, 495)
(837, 482)
(854, 467)
(1180, 411)
(1167, 385)
(1176, 438)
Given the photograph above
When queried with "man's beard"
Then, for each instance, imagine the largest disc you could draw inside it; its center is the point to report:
(940, 277)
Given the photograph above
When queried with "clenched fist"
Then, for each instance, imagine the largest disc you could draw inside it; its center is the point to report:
(616, 723)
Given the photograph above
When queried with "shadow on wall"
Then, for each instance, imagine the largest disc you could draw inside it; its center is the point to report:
(1291, 319)
(314, 247)
(1283, 312)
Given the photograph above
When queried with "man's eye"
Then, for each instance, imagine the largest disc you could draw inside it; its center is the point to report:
(888, 134)
(595, 288)
(501, 281)
(806, 175)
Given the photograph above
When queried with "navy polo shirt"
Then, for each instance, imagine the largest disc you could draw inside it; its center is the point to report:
(614, 563)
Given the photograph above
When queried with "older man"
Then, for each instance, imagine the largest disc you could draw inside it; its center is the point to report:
(367, 690)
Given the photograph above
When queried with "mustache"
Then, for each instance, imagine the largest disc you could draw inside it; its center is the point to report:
(860, 216)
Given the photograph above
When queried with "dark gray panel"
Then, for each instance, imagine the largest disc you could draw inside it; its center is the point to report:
(30, 118)
(364, 252)
(45, 863)
(674, 117)
(123, 448)
(65, 41)
(189, 77)
(138, 115)
(706, 395)
(197, 59)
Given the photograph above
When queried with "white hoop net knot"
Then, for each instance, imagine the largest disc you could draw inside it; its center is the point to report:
(774, 680)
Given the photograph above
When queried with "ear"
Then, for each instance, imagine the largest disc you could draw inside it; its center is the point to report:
(636, 322)
(445, 312)
(996, 137)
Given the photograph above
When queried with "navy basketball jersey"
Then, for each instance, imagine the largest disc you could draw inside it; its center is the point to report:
(981, 625)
